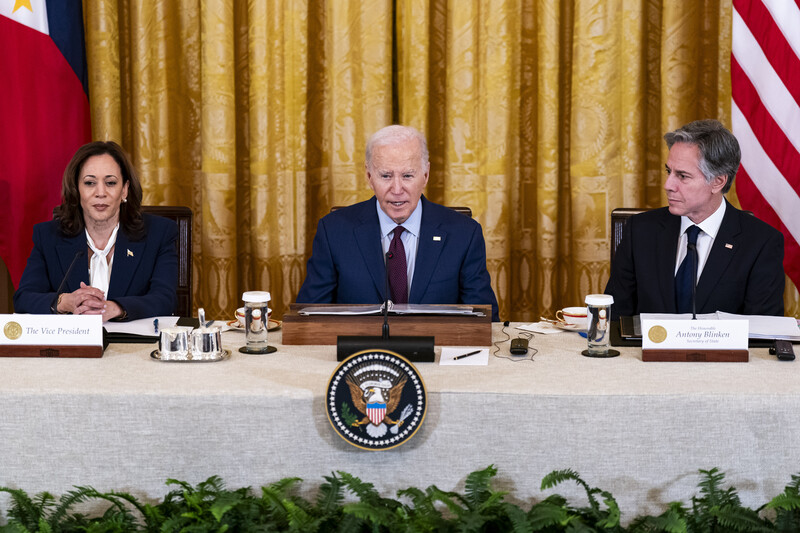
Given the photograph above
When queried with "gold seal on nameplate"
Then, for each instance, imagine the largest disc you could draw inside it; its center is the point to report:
(657, 334)
(12, 330)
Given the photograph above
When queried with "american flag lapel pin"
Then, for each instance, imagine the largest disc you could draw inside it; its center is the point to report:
(729, 246)
(437, 238)
(130, 254)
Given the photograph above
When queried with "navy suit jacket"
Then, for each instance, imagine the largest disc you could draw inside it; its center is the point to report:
(743, 273)
(347, 265)
(144, 275)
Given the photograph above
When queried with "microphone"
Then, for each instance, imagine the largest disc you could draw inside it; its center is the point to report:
(64, 280)
(417, 349)
(389, 255)
(691, 249)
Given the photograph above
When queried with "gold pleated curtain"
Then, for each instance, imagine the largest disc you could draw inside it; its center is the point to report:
(542, 116)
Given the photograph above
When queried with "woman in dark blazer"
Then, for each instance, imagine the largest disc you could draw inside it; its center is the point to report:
(124, 264)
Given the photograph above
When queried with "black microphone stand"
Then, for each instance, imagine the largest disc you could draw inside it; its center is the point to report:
(386, 300)
(64, 281)
(417, 349)
(691, 249)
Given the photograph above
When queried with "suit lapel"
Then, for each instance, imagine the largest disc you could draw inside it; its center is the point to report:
(428, 252)
(720, 255)
(127, 255)
(368, 238)
(669, 235)
(66, 250)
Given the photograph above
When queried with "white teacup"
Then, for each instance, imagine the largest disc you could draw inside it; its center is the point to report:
(240, 316)
(572, 316)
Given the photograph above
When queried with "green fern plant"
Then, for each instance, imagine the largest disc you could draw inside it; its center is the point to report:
(786, 506)
(43, 514)
(594, 517)
(209, 506)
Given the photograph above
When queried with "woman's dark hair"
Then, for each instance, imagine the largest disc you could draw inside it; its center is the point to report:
(70, 213)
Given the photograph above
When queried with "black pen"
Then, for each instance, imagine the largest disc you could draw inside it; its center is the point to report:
(462, 356)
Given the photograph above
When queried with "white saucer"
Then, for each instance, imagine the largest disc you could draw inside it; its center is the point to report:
(272, 325)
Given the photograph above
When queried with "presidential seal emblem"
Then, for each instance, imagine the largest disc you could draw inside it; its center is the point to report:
(657, 334)
(12, 330)
(376, 400)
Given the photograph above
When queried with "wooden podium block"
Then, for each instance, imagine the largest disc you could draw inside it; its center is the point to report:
(50, 351)
(696, 356)
(447, 330)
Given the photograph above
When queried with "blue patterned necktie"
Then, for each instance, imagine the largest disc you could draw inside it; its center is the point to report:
(685, 277)
(397, 268)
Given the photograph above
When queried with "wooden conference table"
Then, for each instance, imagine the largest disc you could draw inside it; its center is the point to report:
(639, 430)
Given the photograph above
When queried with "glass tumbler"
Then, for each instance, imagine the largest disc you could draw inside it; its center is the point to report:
(256, 313)
(598, 316)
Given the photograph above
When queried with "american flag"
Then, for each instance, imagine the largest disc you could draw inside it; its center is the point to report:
(765, 113)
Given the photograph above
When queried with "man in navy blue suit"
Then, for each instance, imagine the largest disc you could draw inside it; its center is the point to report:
(738, 258)
(433, 254)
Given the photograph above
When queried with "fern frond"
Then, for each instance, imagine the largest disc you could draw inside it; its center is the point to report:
(557, 477)
(184, 485)
(789, 499)
(23, 509)
(422, 502)
(364, 490)
(272, 497)
(454, 502)
(65, 503)
(298, 518)
(547, 514)
(375, 516)
(671, 521)
(477, 487)
(330, 495)
(613, 514)
(740, 518)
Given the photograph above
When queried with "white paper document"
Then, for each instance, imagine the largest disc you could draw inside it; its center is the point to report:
(143, 326)
(394, 309)
(768, 327)
(464, 356)
(545, 328)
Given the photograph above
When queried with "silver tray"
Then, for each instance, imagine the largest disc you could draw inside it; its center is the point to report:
(224, 354)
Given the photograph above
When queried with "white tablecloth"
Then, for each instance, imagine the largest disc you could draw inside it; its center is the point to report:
(639, 430)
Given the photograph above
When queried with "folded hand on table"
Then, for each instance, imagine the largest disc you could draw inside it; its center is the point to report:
(88, 300)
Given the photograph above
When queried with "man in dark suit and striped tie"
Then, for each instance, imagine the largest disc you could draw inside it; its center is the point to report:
(736, 259)
(433, 255)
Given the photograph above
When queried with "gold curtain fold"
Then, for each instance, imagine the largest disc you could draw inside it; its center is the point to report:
(541, 115)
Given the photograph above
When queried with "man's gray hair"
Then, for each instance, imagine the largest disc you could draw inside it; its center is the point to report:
(719, 150)
(396, 134)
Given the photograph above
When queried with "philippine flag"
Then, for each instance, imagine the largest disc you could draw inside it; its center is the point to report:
(44, 115)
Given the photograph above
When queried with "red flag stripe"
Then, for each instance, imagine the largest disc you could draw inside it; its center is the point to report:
(765, 175)
(758, 205)
(773, 93)
(765, 113)
(771, 137)
(772, 41)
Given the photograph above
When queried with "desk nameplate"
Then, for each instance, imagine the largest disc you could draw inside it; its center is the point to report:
(448, 330)
(713, 341)
(51, 335)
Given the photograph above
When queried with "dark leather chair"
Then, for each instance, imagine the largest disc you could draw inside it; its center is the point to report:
(619, 217)
(183, 217)
(466, 211)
